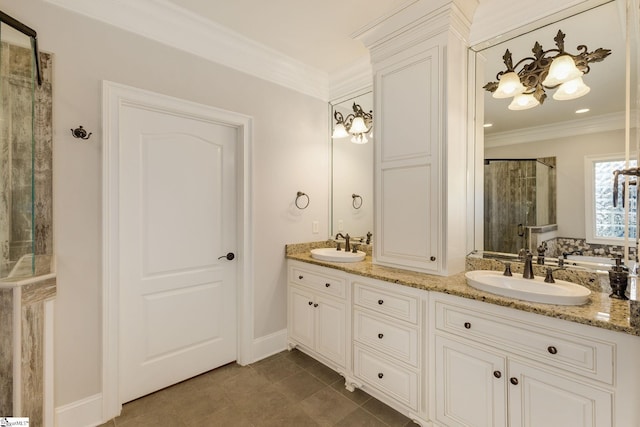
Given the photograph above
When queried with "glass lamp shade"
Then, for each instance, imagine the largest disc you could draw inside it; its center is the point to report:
(563, 68)
(523, 102)
(571, 90)
(360, 138)
(339, 131)
(509, 85)
(358, 126)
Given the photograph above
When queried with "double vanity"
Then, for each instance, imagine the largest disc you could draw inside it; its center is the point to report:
(448, 354)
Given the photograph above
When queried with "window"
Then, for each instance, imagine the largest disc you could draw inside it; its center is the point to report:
(605, 223)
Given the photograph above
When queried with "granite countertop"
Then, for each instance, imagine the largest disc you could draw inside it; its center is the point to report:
(601, 311)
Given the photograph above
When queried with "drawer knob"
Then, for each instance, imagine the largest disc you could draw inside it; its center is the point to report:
(513, 380)
(301, 277)
(467, 325)
(380, 336)
(310, 302)
(315, 305)
(497, 374)
(432, 258)
(551, 349)
(380, 375)
(380, 302)
(327, 284)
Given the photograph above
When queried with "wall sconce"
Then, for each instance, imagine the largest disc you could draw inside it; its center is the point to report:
(547, 69)
(356, 125)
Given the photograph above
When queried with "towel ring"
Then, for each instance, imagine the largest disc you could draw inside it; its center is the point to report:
(300, 195)
(357, 201)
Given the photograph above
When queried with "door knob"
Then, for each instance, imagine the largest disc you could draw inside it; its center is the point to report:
(228, 256)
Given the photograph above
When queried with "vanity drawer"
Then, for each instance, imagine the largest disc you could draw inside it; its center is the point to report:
(321, 282)
(390, 378)
(397, 305)
(397, 340)
(557, 348)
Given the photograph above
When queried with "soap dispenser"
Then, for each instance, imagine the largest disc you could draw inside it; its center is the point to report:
(619, 279)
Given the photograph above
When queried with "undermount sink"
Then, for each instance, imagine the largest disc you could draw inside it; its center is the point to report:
(333, 255)
(534, 290)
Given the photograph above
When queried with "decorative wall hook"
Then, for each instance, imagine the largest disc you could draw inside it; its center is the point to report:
(80, 133)
(357, 201)
(300, 195)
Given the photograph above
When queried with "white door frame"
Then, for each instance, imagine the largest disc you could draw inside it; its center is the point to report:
(115, 95)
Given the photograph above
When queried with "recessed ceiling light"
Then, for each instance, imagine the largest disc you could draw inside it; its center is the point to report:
(487, 125)
(582, 110)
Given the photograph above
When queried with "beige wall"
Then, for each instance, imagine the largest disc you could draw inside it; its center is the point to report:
(570, 153)
(290, 154)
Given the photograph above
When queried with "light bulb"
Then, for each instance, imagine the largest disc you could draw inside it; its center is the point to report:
(523, 102)
(563, 68)
(571, 90)
(358, 126)
(339, 131)
(509, 85)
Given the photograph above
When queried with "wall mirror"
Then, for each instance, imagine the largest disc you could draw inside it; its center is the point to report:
(576, 141)
(351, 175)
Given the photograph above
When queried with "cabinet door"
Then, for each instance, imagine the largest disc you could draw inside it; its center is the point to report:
(538, 398)
(470, 385)
(407, 170)
(331, 326)
(301, 316)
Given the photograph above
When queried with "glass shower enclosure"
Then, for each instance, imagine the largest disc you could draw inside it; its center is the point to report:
(18, 79)
(519, 194)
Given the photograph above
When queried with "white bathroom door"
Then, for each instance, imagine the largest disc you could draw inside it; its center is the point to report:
(177, 218)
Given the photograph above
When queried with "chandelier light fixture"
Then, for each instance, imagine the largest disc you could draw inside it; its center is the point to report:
(356, 125)
(547, 69)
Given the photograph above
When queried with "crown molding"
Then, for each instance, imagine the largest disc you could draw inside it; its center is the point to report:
(603, 123)
(206, 39)
(354, 79)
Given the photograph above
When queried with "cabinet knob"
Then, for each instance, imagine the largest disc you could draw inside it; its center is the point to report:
(315, 305)
(497, 374)
(432, 258)
(327, 284)
(380, 301)
(513, 380)
(467, 325)
(300, 277)
(551, 349)
(380, 336)
(380, 375)
(310, 302)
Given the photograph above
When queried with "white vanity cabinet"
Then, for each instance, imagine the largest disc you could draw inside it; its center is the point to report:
(318, 313)
(494, 367)
(387, 345)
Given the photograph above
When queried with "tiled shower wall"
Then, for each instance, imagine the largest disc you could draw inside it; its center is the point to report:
(15, 156)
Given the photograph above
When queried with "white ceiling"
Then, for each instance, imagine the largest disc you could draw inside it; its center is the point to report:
(317, 33)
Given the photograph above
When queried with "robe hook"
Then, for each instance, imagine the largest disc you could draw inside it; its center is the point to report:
(80, 133)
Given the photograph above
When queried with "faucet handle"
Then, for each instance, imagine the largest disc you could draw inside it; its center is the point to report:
(507, 269)
(549, 276)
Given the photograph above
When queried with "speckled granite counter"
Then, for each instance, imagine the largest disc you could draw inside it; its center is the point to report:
(601, 311)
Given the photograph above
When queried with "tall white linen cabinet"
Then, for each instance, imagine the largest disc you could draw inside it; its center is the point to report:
(419, 61)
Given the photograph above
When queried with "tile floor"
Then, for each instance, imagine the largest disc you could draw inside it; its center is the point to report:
(289, 389)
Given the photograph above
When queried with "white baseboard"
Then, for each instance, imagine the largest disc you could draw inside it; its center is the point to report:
(82, 413)
(269, 345)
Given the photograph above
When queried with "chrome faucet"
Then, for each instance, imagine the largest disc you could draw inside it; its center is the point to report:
(527, 273)
(347, 245)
